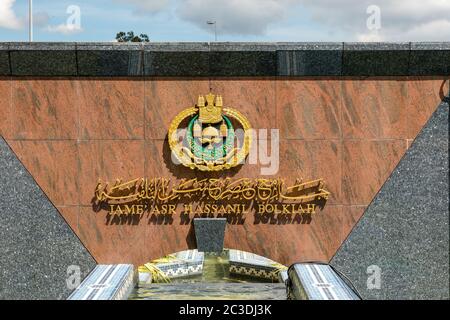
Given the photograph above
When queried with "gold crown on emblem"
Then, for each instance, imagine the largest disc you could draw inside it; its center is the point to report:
(211, 110)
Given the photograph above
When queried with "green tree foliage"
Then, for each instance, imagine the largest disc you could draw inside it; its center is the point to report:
(131, 37)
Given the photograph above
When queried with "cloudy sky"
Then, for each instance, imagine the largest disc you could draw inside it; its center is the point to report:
(236, 20)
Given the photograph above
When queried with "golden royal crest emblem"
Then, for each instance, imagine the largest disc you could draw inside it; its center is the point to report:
(211, 141)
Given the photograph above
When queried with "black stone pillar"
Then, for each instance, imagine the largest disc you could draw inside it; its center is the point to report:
(209, 233)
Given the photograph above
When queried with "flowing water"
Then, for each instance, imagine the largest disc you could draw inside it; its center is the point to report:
(215, 283)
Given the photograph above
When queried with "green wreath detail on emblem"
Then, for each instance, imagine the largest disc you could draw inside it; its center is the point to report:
(210, 154)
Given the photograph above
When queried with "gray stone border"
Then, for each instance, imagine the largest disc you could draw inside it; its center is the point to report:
(225, 59)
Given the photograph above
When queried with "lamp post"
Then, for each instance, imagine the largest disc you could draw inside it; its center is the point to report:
(215, 28)
(30, 20)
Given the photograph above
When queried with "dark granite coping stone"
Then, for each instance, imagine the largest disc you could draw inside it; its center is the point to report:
(42, 46)
(108, 46)
(243, 46)
(430, 45)
(376, 46)
(176, 46)
(225, 59)
(310, 46)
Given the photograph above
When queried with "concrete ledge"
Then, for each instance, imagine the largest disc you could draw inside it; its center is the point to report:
(311, 281)
(226, 59)
(107, 282)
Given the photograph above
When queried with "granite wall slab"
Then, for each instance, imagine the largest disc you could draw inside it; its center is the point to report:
(422, 63)
(375, 59)
(405, 230)
(43, 59)
(180, 60)
(109, 60)
(312, 59)
(37, 246)
(5, 68)
(225, 59)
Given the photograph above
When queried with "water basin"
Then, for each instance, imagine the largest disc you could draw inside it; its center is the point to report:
(215, 283)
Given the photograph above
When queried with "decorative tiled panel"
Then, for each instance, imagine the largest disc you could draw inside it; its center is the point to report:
(187, 263)
(177, 270)
(238, 256)
(318, 282)
(255, 272)
(106, 282)
(190, 256)
(252, 265)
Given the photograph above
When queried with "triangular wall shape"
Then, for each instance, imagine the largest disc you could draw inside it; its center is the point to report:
(400, 247)
(40, 255)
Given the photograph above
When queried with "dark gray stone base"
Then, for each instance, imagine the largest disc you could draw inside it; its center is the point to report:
(405, 230)
(36, 244)
(209, 233)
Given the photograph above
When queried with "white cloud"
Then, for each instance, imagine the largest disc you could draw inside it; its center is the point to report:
(437, 30)
(242, 17)
(8, 18)
(369, 37)
(405, 20)
(147, 6)
(64, 28)
(401, 20)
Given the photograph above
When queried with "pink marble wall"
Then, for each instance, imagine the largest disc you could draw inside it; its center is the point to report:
(351, 132)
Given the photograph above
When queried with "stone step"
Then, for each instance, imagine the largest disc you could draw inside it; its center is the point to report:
(316, 281)
(106, 282)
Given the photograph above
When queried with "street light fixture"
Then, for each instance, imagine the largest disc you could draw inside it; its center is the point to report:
(210, 22)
